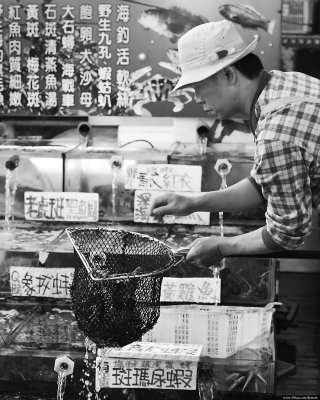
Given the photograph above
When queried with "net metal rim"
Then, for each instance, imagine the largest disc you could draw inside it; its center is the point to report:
(175, 260)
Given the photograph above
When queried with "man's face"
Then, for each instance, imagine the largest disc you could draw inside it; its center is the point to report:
(216, 96)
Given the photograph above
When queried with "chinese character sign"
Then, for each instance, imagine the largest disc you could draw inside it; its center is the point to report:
(64, 56)
(64, 206)
(165, 351)
(150, 365)
(142, 206)
(113, 58)
(41, 282)
(181, 178)
(191, 290)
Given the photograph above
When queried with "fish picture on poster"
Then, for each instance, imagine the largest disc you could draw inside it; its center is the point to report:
(171, 23)
(118, 58)
(246, 16)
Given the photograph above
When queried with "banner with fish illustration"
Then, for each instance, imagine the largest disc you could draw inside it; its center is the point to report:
(113, 58)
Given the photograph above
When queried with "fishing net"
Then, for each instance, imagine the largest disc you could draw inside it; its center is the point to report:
(117, 283)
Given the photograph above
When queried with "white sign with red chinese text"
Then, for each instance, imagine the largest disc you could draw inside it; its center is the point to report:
(41, 282)
(191, 290)
(142, 207)
(174, 177)
(61, 206)
(149, 365)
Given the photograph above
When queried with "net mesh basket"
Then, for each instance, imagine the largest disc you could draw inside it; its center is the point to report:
(116, 288)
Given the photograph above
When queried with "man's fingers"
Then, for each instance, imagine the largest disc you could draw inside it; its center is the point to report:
(158, 203)
(158, 211)
(157, 214)
(203, 252)
(159, 206)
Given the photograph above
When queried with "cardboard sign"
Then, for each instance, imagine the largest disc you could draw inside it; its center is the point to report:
(142, 206)
(149, 365)
(41, 282)
(191, 290)
(174, 177)
(61, 206)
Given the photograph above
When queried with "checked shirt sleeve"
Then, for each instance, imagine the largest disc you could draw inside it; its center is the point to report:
(280, 171)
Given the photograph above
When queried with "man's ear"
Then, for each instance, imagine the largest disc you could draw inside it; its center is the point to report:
(230, 75)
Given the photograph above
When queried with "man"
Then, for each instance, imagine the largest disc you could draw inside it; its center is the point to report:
(230, 80)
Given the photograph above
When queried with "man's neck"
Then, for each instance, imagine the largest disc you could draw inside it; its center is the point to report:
(249, 89)
(262, 82)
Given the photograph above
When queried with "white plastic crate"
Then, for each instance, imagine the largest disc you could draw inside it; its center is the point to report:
(297, 16)
(222, 330)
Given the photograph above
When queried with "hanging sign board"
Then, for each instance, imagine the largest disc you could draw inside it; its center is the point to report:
(149, 365)
(41, 282)
(142, 206)
(61, 206)
(174, 177)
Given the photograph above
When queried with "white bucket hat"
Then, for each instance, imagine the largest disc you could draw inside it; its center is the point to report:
(208, 48)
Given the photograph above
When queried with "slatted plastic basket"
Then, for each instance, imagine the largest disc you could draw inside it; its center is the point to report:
(222, 330)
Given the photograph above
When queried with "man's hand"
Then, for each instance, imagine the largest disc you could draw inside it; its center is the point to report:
(205, 252)
(171, 204)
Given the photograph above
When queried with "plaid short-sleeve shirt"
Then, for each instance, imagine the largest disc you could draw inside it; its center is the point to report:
(287, 157)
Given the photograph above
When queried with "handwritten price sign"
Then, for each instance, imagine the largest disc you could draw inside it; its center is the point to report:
(61, 206)
(149, 365)
(142, 206)
(183, 178)
(191, 290)
(41, 282)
